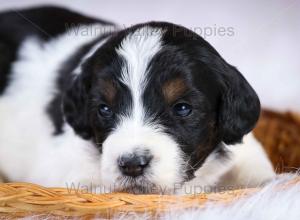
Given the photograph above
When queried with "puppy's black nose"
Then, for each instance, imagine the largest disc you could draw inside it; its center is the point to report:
(133, 165)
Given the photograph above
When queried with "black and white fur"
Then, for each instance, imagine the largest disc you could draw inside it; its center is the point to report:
(53, 82)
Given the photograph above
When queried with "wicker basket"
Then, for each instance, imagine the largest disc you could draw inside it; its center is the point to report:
(280, 135)
(278, 132)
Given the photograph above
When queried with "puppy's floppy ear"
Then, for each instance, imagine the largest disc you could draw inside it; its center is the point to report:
(75, 107)
(240, 107)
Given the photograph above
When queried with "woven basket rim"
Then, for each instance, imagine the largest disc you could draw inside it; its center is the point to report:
(22, 199)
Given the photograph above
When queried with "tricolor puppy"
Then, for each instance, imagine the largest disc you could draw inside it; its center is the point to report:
(147, 108)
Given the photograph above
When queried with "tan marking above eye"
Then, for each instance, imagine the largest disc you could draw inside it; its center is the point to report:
(173, 89)
(108, 90)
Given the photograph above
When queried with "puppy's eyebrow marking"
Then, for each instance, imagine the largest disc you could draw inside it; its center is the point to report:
(173, 89)
(108, 90)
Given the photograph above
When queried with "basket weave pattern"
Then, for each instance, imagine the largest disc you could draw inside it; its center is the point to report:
(23, 199)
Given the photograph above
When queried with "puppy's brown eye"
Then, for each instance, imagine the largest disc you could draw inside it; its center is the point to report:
(105, 111)
(182, 109)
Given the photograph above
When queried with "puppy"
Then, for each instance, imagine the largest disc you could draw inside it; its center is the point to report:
(152, 108)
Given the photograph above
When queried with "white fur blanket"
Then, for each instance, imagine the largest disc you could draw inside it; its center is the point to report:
(267, 204)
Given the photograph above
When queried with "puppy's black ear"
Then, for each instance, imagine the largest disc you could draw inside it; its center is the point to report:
(75, 107)
(239, 107)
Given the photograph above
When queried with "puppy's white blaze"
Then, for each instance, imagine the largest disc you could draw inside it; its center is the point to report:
(137, 49)
(134, 132)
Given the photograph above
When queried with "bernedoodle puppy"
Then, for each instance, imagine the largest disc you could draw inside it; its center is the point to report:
(152, 108)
